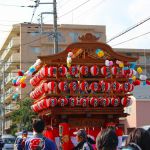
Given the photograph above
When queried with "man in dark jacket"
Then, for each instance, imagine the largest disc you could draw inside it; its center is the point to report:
(1, 143)
(20, 142)
(82, 140)
(39, 142)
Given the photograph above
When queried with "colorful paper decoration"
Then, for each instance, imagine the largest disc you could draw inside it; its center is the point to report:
(139, 70)
(136, 82)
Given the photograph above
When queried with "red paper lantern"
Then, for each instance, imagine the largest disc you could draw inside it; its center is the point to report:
(40, 106)
(62, 101)
(84, 101)
(62, 70)
(126, 101)
(94, 70)
(73, 70)
(94, 101)
(51, 86)
(35, 80)
(20, 73)
(127, 73)
(73, 86)
(136, 82)
(44, 72)
(23, 85)
(84, 70)
(35, 108)
(44, 87)
(127, 87)
(52, 71)
(94, 86)
(104, 86)
(52, 101)
(147, 82)
(115, 70)
(63, 86)
(84, 86)
(115, 101)
(73, 101)
(104, 102)
(131, 87)
(105, 71)
(115, 86)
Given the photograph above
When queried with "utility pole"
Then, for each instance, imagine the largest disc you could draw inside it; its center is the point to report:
(55, 32)
(2, 103)
(55, 28)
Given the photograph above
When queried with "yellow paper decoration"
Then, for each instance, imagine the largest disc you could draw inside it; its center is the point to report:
(121, 65)
(139, 70)
(100, 54)
(134, 78)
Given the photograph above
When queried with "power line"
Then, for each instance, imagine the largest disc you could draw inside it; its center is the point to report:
(132, 38)
(8, 5)
(74, 9)
(95, 6)
(129, 29)
(35, 8)
(64, 3)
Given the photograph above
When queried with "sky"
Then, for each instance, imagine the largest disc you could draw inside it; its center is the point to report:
(116, 15)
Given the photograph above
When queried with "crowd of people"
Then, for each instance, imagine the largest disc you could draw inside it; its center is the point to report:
(107, 139)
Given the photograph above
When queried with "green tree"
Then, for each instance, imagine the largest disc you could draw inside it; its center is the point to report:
(22, 117)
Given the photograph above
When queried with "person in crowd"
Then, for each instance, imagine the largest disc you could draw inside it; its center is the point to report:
(107, 140)
(82, 140)
(39, 142)
(1, 143)
(119, 133)
(20, 142)
(138, 139)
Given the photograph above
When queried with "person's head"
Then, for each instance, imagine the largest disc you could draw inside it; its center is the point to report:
(24, 133)
(81, 135)
(107, 140)
(38, 125)
(140, 137)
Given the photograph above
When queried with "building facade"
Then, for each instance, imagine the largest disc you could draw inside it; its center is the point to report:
(20, 50)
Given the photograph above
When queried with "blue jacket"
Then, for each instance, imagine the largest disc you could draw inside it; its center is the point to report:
(39, 143)
(20, 144)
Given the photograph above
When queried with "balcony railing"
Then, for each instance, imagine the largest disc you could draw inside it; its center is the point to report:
(14, 43)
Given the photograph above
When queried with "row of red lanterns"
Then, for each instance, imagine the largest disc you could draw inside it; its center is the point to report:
(74, 70)
(84, 102)
(63, 86)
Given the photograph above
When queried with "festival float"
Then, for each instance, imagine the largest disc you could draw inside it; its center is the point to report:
(87, 85)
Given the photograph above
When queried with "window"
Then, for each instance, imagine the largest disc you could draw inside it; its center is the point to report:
(36, 50)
